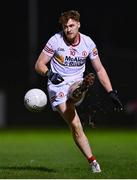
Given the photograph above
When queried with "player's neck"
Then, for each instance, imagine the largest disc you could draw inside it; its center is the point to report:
(72, 42)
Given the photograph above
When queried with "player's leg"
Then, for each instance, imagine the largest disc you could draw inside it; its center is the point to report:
(68, 112)
(78, 90)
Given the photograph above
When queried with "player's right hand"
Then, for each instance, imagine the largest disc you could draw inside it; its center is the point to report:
(55, 78)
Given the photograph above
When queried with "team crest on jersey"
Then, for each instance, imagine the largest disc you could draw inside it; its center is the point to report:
(84, 53)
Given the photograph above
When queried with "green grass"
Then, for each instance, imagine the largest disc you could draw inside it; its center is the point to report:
(52, 154)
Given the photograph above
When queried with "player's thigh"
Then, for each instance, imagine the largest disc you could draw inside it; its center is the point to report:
(66, 110)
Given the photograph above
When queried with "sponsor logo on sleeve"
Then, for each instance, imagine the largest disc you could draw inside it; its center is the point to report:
(95, 52)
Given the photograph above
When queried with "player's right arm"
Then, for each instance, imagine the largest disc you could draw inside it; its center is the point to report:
(42, 69)
(45, 56)
(41, 63)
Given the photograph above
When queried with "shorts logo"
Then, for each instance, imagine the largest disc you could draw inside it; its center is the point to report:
(61, 94)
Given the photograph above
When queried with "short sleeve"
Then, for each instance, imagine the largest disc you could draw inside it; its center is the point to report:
(93, 52)
(50, 46)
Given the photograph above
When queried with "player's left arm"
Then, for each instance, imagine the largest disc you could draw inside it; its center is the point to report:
(105, 81)
(102, 74)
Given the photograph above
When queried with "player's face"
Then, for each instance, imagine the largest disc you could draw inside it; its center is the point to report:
(71, 29)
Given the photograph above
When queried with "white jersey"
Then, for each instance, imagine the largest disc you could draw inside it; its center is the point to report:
(67, 60)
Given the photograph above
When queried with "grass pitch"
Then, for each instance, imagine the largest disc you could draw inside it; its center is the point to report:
(52, 154)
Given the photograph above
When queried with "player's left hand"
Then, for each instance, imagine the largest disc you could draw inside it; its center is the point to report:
(116, 101)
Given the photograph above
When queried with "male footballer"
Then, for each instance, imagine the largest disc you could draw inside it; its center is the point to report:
(67, 52)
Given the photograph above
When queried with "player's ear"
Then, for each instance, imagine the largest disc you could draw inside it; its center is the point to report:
(79, 24)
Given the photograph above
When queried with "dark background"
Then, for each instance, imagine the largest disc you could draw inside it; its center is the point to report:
(27, 25)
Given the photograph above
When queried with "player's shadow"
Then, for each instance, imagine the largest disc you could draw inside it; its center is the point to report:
(44, 169)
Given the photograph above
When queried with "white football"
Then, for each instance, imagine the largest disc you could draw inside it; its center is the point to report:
(35, 100)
